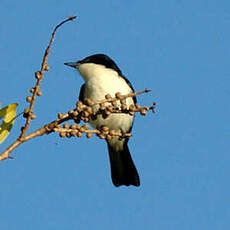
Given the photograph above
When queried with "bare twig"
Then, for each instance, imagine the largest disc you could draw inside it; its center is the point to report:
(77, 130)
(39, 76)
(39, 132)
(28, 113)
(119, 97)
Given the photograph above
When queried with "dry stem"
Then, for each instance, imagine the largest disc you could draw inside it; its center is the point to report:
(39, 76)
(54, 125)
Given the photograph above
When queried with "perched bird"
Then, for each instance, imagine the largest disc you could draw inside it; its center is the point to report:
(102, 76)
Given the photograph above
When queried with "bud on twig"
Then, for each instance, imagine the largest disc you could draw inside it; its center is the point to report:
(46, 68)
(38, 75)
(29, 99)
(39, 93)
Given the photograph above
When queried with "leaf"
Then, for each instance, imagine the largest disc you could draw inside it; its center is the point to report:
(9, 114)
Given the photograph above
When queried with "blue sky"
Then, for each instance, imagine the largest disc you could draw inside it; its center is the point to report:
(180, 50)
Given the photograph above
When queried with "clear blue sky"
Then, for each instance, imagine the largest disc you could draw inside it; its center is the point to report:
(181, 50)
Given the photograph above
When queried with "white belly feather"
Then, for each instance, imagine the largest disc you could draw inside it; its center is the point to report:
(108, 82)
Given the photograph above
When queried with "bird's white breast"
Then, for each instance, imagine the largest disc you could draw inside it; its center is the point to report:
(100, 81)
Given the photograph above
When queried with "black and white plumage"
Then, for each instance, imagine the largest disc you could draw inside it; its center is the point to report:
(102, 76)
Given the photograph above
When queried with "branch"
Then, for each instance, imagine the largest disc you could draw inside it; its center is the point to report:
(39, 75)
(28, 113)
(46, 129)
(84, 111)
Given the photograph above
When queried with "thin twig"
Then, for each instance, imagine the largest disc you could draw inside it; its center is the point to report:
(54, 126)
(45, 58)
(39, 132)
(39, 75)
(133, 94)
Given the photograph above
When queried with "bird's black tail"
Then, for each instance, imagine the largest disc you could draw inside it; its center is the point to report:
(123, 170)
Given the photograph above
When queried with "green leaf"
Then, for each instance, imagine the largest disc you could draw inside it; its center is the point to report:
(9, 114)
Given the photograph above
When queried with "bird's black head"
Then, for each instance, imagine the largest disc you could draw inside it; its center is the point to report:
(101, 59)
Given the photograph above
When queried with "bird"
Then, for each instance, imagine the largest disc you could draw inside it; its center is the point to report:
(102, 76)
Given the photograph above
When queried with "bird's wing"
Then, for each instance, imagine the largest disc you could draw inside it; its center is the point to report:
(81, 94)
(130, 85)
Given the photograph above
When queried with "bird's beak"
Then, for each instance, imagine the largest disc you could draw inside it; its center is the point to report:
(72, 64)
